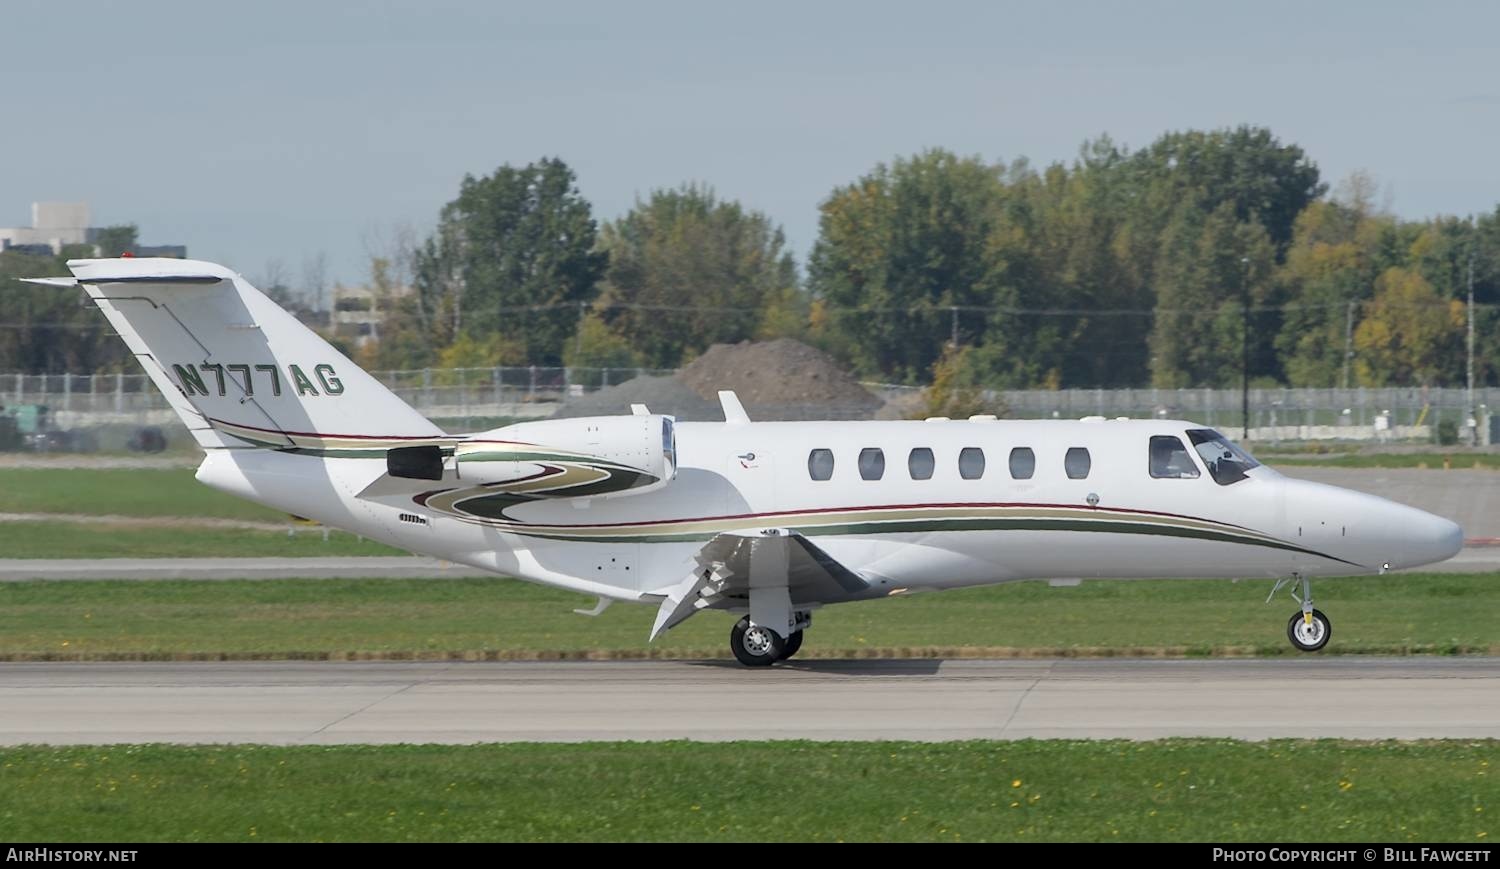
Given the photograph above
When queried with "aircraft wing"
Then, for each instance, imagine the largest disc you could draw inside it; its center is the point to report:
(722, 578)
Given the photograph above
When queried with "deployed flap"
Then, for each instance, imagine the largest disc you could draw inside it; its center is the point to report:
(682, 601)
(722, 578)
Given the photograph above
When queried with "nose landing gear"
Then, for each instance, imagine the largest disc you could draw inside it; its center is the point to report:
(1308, 629)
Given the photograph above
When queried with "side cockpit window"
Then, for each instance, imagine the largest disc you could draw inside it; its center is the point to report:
(1170, 459)
(820, 464)
(1226, 462)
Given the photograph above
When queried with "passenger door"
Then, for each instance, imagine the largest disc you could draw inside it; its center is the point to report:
(752, 477)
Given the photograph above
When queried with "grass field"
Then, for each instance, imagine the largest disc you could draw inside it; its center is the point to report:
(109, 540)
(163, 495)
(484, 618)
(1175, 790)
(121, 492)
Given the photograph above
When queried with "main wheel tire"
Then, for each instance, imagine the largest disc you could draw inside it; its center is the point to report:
(1309, 637)
(755, 645)
(793, 643)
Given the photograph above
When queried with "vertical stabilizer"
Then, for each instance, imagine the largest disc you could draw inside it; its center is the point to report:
(239, 370)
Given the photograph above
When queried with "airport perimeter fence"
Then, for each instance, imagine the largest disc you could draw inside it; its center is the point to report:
(1283, 414)
(116, 406)
(505, 391)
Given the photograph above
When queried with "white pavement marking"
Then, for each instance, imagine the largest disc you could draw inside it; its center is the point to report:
(299, 702)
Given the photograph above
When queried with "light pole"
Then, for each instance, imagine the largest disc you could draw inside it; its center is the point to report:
(1472, 418)
(1245, 349)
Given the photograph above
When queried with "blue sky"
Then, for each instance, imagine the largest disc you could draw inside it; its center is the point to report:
(274, 130)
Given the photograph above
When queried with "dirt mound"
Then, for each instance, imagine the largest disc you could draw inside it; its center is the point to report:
(660, 395)
(775, 380)
(780, 373)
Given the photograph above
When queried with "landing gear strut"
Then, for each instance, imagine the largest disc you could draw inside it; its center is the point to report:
(1308, 629)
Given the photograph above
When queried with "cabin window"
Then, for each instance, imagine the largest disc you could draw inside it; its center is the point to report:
(1022, 463)
(1170, 459)
(871, 463)
(820, 464)
(1077, 463)
(920, 463)
(1226, 462)
(971, 463)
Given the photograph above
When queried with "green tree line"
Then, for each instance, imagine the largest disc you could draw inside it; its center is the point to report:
(1166, 265)
(47, 330)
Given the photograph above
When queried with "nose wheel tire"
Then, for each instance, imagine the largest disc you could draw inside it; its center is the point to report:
(756, 645)
(1309, 635)
(793, 643)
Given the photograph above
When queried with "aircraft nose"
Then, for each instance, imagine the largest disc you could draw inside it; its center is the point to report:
(1379, 535)
(1447, 539)
(1422, 538)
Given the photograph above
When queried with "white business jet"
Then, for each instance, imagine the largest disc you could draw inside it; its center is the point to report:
(768, 520)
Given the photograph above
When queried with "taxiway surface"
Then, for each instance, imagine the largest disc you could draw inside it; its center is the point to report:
(321, 703)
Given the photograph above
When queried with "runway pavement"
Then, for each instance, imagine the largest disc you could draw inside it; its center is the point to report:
(321, 703)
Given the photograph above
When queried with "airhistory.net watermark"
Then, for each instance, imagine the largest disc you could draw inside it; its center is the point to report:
(67, 855)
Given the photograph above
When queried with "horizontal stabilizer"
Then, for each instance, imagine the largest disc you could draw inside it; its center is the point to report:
(201, 279)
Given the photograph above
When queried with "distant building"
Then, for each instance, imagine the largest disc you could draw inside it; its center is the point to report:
(358, 312)
(56, 225)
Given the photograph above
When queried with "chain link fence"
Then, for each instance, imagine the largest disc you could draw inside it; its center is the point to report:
(109, 411)
(1431, 414)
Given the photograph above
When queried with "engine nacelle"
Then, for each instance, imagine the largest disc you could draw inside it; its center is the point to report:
(588, 457)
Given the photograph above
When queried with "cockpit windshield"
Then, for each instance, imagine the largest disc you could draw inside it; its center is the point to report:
(1226, 462)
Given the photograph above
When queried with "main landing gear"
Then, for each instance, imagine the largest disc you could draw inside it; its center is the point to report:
(759, 646)
(1308, 629)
